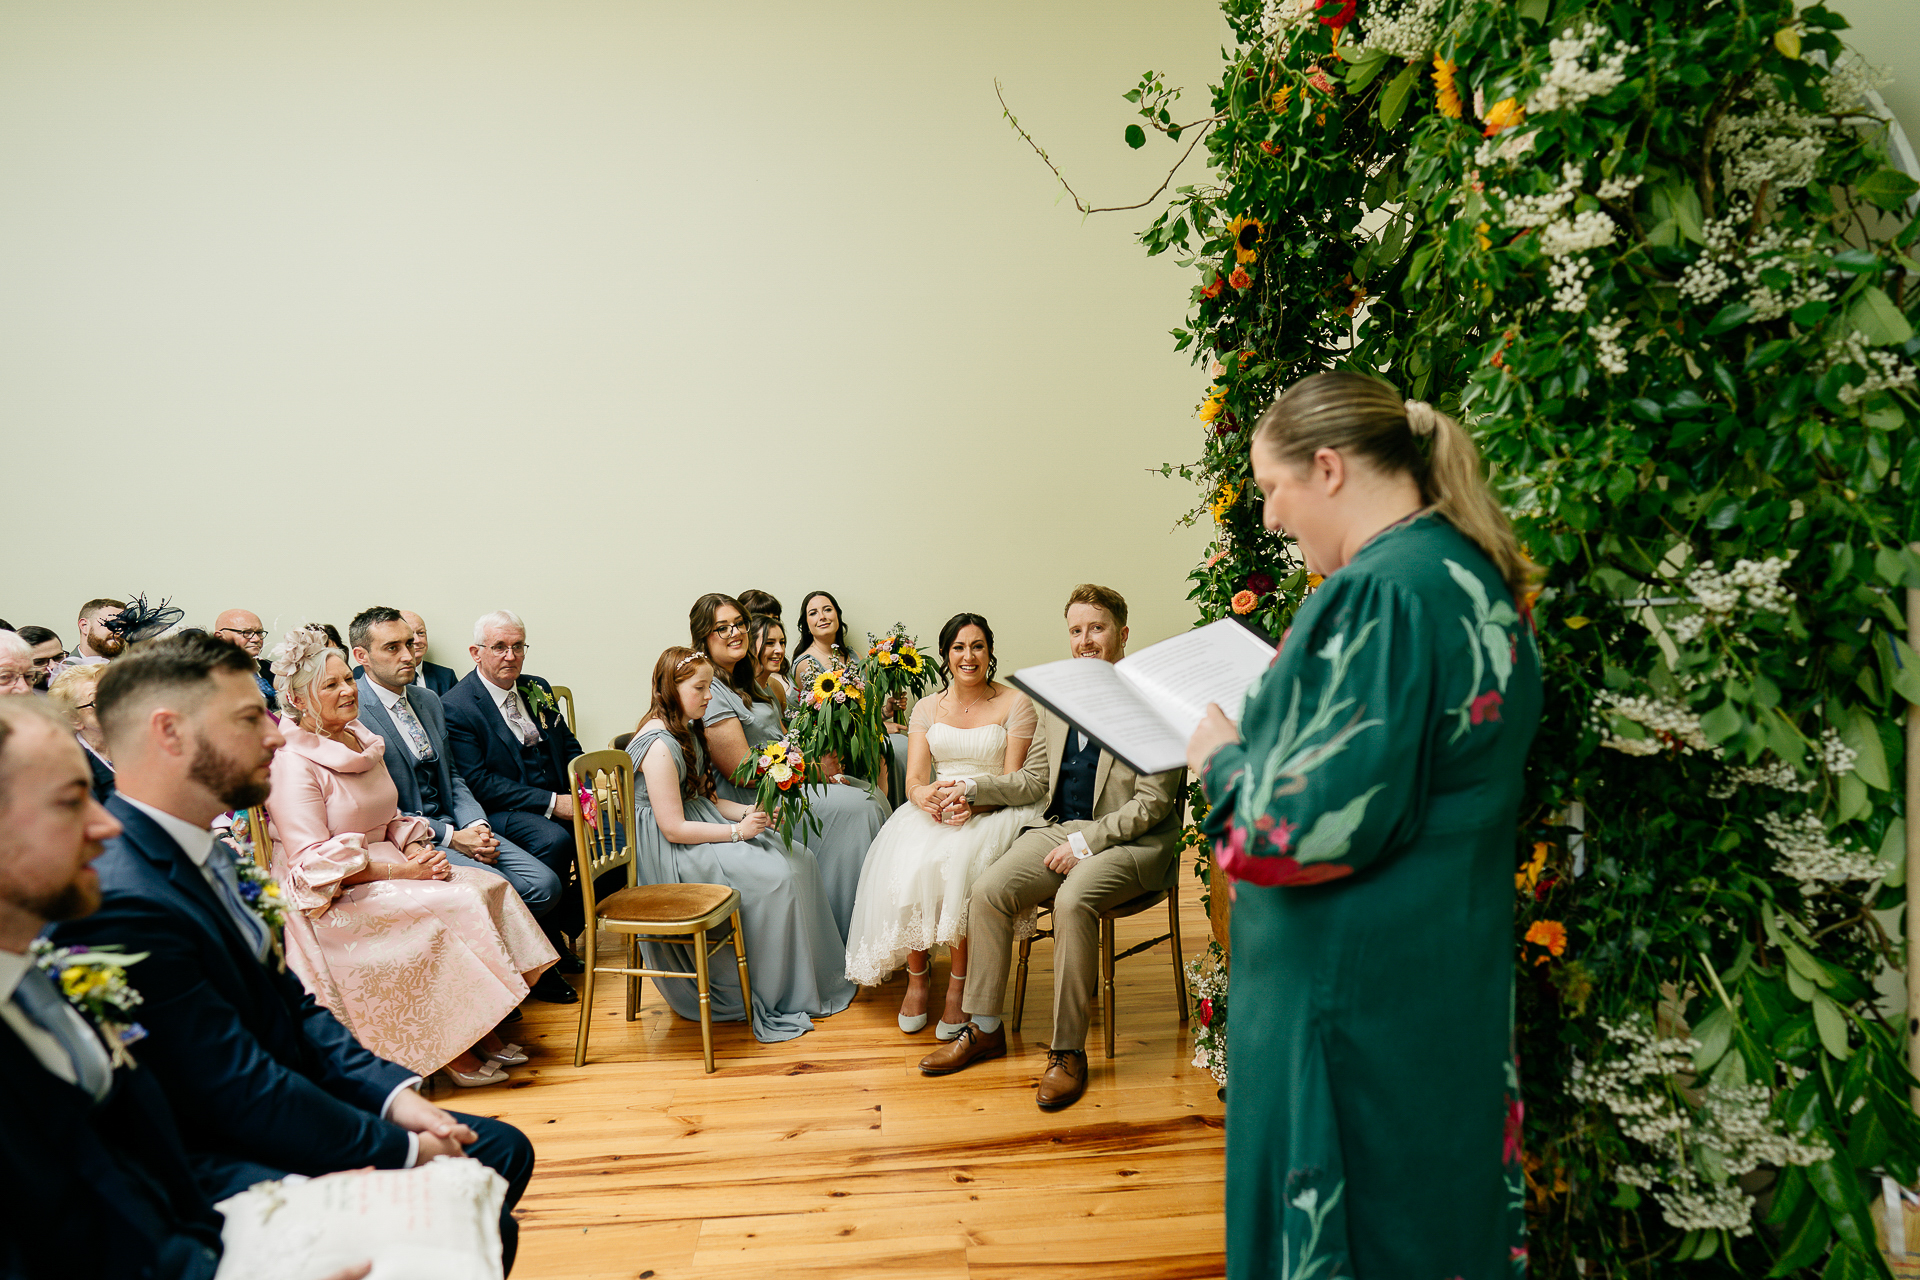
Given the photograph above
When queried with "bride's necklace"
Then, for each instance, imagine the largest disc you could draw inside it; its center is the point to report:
(986, 697)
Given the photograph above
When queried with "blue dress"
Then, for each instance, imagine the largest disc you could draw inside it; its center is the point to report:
(850, 816)
(795, 957)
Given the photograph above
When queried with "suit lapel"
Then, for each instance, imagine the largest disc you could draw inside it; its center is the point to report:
(144, 836)
(1100, 774)
(1056, 731)
(374, 713)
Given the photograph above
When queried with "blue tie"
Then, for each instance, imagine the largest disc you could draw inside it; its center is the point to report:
(227, 881)
(42, 1002)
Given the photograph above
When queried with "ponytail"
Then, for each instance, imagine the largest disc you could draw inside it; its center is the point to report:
(1366, 417)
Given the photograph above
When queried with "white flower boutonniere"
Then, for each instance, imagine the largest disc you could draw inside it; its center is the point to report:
(94, 981)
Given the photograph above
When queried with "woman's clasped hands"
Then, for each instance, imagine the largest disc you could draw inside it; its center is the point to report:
(945, 802)
(424, 862)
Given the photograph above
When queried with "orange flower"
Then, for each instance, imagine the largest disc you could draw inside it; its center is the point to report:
(1240, 279)
(1213, 290)
(1504, 114)
(1550, 934)
(1245, 602)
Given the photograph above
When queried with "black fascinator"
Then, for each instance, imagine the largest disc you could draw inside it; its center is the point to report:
(143, 621)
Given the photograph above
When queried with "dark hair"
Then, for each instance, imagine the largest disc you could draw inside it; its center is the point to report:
(800, 621)
(757, 602)
(178, 664)
(1100, 598)
(756, 638)
(700, 625)
(360, 630)
(38, 635)
(951, 632)
(333, 637)
(674, 665)
(92, 607)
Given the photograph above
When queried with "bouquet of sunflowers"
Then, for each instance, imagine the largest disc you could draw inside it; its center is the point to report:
(839, 715)
(894, 668)
(778, 771)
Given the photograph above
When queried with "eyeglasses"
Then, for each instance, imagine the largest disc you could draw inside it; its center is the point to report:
(244, 635)
(729, 628)
(502, 650)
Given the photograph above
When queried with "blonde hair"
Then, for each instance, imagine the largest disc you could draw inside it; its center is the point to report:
(1366, 417)
(296, 662)
(69, 688)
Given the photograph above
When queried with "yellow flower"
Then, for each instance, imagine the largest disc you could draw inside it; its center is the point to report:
(1246, 233)
(826, 684)
(1280, 98)
(1314, 580)
(1529, 875)
(1215, 402)
(1224, 500)
(1481, 238)
(1444, 86)
(1503, 115)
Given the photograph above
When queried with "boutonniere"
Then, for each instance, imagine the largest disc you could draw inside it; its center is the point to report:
(258, 889)
(539, 701)
(94, 981)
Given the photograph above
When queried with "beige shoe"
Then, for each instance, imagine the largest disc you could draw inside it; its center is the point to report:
(969, 1046)
(1064, 1080)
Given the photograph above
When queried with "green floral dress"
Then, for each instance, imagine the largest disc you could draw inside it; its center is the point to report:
(1367, 820)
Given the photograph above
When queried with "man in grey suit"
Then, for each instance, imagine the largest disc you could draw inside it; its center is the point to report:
(411, 720)
(1107, 836)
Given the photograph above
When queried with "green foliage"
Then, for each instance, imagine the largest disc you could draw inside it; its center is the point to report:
(1663, 272)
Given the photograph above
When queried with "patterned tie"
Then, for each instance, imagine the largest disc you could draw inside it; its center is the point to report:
(41, 1001)
(227, 882)
(517, 720)
(411, 726)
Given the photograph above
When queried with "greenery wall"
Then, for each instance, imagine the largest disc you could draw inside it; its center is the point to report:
(1653, 254)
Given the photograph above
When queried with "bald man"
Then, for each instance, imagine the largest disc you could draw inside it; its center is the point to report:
(244, 628)
(430, 674)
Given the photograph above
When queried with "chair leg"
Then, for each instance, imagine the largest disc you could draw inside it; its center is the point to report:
(633, 982)
(1020, 982)
(1106, 980)
(1179, 963)
(706, 999)
(586, 997)
(740, 955)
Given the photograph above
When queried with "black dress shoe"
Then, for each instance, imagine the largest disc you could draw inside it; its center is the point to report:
(554, 990)
(568, 964)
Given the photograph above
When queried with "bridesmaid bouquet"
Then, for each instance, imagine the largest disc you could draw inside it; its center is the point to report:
(778, 772)
(894, 667)
(839, 715)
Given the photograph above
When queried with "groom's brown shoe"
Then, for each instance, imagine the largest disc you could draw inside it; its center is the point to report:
(1064, 1080)
(970, 1046)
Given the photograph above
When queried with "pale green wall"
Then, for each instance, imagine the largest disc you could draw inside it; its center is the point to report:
(1887, 32)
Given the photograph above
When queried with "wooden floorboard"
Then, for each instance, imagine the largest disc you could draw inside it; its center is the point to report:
(831, 1155)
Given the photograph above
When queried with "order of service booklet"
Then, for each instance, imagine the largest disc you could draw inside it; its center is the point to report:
(1143, 708)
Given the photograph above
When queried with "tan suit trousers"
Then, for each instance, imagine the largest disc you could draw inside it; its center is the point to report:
(1019, 879)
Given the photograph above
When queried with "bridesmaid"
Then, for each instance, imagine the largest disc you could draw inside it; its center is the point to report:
(825, 628)
(683, 834)
(767, 643)
(740, 718)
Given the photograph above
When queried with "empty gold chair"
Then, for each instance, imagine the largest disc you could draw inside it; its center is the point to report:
(563, 695)
(1131, 907)
(682, 913)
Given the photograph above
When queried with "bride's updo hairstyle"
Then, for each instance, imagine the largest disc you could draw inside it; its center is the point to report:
(297, 662)
(675, 665)
(1366, 418)
(951, 632)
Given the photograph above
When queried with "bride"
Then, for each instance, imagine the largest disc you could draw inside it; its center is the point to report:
(920, 871)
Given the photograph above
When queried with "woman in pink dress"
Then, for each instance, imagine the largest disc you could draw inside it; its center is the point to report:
(419, 959)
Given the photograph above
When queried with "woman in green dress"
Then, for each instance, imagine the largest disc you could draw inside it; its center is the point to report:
(1364, 808)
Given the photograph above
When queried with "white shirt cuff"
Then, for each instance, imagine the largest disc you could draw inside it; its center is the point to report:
(972, 787)
(481, 823)
(411, 1082)
(552, 800)
(413, 1151)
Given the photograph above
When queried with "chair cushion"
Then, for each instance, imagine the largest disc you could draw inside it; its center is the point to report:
(664, 903)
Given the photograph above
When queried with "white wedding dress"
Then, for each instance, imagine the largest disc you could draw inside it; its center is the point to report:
(919, 873)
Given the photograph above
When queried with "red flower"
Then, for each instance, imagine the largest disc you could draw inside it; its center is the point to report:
(1516, 1126)
(1342, 16)
(1270, 148)
(1282, 836)
(1259, 583)
(1213, 290)
(1234, 859)
(1485, 708)
(1206, 1012)
(1239, 279)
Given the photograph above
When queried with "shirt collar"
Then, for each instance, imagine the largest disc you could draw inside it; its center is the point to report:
(495, 692)
(195, 842)
(13, 967)
(388, 698)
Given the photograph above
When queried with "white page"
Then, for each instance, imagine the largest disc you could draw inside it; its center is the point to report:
(1092, 695)
(1215, 663)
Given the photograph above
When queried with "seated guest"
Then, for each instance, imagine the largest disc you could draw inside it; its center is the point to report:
(822, 639)
(739, 718)
(1108, 835)
(334, 642)
(98, 642)
(48, 650)
(920, 873)
(16, 664)
(263, 1080)
(431, 674)
(512, 745)
(683, 833)
(767, 647)
(244, 629)
(410, 718)
(73, 693)
(142, 623)
(757, 603)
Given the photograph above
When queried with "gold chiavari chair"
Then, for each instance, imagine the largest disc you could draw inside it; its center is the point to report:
(262, 843)
(1131, 907)
(674, 913)
(563, 694)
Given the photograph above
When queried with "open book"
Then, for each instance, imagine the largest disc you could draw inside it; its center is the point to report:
(1143, 708)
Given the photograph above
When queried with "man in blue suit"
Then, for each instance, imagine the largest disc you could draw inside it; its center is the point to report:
(512, 745)
(265, 1081)
(411, 721)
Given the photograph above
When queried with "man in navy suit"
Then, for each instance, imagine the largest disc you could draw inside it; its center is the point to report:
(431, 674)
(265, 1081)
(411, 721)
(512, 745)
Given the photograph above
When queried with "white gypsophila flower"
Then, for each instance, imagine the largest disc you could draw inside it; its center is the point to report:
(1620, 188)
(1847, 85)
(1775, 145)
(1570, 80)
(1639, 1085)
(1521, 212)
(1404, 30)
(1836, 756)
(1672, 724)
(1807, 854)
(1777, 774)
(1735, 256)
(1567, 281)
(1884, 369)
(1607, 350)
(1752, 583)
(1583, 231)
(1285, 16)
(1508, 145)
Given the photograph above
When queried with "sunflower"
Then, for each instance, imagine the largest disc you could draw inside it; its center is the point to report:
(1246, 233)
(828, 684)
(1224, 500)
(911, 660)
(1443, 83)
(1504, 114)
(1215, 402)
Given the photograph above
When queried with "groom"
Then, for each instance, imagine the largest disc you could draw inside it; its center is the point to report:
(1108, 835)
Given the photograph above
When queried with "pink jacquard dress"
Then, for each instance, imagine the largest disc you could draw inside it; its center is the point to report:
(418, 970)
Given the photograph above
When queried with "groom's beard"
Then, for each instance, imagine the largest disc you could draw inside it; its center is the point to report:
(232, 783)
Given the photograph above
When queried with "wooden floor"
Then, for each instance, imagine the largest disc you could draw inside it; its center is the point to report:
(831, 1155)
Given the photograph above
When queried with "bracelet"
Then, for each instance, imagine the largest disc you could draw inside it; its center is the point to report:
(733, 829)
